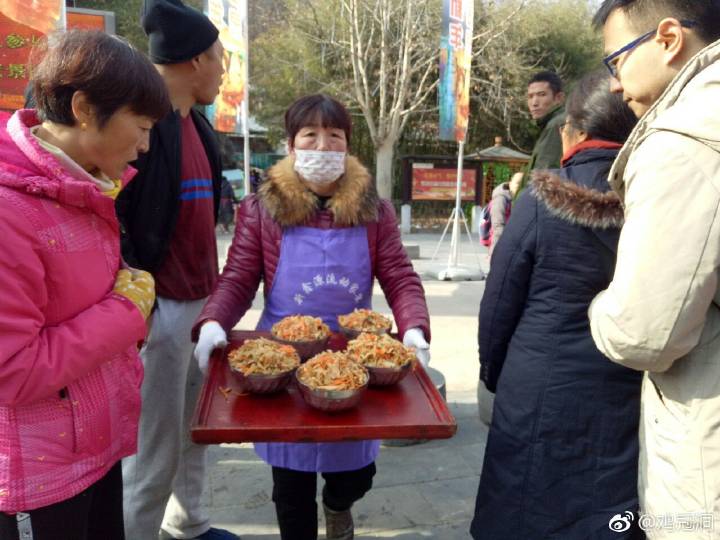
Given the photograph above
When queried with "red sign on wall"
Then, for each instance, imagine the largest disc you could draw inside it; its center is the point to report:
(429, 184)
(85, 21)
(16, 42)
(90, 19)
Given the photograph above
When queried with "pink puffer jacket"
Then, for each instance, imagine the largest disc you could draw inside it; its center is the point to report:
(69, 370)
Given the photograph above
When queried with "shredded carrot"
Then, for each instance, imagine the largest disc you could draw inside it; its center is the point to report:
(225, 391)
(300, 328)
(332, 371)
(365, 320)
(379, 350)
(263, 356)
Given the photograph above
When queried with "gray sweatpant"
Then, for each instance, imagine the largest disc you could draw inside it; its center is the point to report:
(167, 475)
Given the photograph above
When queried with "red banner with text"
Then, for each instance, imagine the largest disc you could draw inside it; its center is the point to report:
(22, 26)
(430, 184)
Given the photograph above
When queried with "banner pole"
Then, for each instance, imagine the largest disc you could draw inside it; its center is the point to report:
(455, 242)
(246, 98)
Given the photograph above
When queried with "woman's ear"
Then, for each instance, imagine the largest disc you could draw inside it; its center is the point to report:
(82, 110)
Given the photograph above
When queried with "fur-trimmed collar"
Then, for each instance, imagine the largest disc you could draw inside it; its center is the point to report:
(290, 203)
(577, 204)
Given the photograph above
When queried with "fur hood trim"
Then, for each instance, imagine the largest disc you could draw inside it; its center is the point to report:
(290, 203)
(577, 204)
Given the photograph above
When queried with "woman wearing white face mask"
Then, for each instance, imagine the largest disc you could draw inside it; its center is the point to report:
(318, 235)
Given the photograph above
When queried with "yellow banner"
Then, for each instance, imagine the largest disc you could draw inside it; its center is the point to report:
(229, 17)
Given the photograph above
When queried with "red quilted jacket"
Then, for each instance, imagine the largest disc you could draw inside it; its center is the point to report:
(284, 201)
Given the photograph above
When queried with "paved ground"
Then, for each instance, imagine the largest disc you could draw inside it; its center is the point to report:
(421, 491)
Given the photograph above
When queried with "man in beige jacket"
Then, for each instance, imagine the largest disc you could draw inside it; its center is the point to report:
(661, 312)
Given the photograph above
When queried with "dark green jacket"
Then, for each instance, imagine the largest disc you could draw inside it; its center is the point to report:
(548, 148)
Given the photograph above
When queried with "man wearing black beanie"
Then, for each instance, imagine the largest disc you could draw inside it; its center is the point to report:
(168, 214)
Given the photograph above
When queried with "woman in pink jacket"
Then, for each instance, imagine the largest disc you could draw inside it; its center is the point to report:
(71, 315)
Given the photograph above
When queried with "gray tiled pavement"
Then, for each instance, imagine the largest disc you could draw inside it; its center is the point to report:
(422, 491)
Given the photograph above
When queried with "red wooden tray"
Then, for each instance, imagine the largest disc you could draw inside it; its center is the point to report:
(413, 409)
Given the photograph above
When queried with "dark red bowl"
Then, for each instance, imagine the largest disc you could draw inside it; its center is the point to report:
(388, 376)
(351, 333)
(331, 400)
(257, 383)
(305, 349)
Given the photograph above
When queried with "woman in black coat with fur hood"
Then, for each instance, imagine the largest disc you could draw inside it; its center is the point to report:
(561, 457)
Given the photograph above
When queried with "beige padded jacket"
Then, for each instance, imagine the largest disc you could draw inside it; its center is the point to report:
(661, 312)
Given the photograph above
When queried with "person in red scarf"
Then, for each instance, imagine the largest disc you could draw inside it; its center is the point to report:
(562, 451)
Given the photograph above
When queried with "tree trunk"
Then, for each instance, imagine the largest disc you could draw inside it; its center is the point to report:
(383, 168)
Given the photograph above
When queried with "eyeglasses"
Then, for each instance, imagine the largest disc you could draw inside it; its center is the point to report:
(561, 127)
(608, 60)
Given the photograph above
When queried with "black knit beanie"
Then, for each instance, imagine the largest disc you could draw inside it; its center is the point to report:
(177, 33)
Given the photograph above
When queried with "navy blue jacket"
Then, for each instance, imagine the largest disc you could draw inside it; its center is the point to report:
(561, 457)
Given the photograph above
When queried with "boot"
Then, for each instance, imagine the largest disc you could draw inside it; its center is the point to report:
(338, 525)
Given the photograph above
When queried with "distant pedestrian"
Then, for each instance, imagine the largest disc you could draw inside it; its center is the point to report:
(71, 311)
(561, 455)
(502, 199)
(228, 200)
(545, 99)
(255, 179)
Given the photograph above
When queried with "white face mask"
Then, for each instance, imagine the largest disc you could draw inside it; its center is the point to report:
(319, 166)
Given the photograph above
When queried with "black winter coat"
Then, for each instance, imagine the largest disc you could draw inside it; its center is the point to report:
(561, 457)
(148, 207)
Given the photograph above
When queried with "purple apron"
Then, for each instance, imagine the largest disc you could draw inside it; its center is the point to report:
(323, 273)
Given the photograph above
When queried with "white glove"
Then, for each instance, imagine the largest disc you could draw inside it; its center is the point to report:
(212, 336)
(414, 337)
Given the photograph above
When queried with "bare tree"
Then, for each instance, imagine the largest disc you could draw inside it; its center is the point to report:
(391, 50)
(381, 57)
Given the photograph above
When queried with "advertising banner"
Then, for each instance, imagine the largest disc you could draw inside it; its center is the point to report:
(23, 23)
(90, 19)
(455, 60)
(230, 18)
(430, 184)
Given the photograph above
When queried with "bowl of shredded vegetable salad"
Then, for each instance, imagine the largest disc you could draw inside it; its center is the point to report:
(363, 320)
(387, 360)
(263, 366)
(309, 335)
(332, 381)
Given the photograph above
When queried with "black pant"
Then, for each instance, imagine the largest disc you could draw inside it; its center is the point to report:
(94, 514)
(294, 497)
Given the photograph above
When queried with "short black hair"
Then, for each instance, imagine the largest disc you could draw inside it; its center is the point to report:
(644, 14)
(107, 69)
(550, 77)
(317, 110)
(592, 108)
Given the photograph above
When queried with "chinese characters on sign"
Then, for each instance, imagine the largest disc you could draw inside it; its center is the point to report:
(430, 184)
(455, 58)
(20, 30)
(327, 280)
